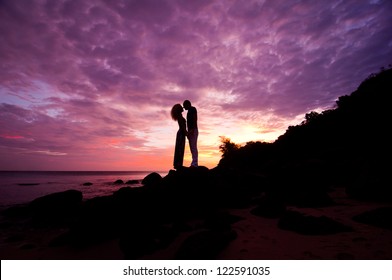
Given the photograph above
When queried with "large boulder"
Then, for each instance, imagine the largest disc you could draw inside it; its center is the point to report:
(145, 239)
(56, 207)
(270, 207)
(191, 177)
(221, 220)
(152, 179)
(118, 182)
(98, 220)
(16, 211)
(205, 244)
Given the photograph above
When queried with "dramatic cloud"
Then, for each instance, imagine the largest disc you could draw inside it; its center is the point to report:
(89, 84)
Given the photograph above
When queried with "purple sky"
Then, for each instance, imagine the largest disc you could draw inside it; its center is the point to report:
(88, 85)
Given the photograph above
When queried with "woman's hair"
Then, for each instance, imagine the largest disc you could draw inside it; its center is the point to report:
(176, 111)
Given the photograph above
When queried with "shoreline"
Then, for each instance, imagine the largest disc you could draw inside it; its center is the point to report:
(22, 187)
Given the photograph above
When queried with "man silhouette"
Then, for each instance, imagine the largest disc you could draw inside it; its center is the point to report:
(193, 132)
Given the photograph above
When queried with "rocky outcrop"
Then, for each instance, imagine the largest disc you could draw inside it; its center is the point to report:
(118, 182)
(152, 179)
(56, 207)
(270, 207)
(148, 218)
(132, 182)
(205, 244)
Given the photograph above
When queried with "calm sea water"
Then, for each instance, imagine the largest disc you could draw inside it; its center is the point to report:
(18, 187)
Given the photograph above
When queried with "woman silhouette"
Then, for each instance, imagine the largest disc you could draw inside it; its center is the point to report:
(176, 114)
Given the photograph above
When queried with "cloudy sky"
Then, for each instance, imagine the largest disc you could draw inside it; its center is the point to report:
(89, 84)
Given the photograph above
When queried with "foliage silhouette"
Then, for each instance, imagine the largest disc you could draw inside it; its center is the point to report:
(352, 139)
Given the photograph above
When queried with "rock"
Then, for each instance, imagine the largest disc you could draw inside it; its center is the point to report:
(233, 188)
(221, 220)
(191, 190)
(118, 182)
(87, 184)
(369, 189)
(205, 245)
(311, 198)
(100, 205)
(99, 220)
(28, 246)
(61, 240)
(371, 183)
(152, 179)
(56, 206)
(132, 202)
(145, 240)
(269, 208)
(191, 176)
(123, 192)
(380, 217)
(16, 211)
(15, 238)
(132, 182)
(310, 225)
(136, 245)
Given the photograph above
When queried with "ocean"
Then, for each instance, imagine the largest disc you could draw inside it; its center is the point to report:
(19, 187)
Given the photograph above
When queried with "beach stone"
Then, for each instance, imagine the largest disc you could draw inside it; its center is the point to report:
(123, 191)
(132, 182)
(199, 171)
(61, 240)
(152, 179)
(311, 198)
(130, 201)
(136, 245)
(269, 208)
(118, 182)
(28, 246)
(56, 206)
(15, 238)
(377, 189)
(221, 220)
(205, 244)
(16, 211)
(195, 175)
(310, 225)
(191, 176)
(145, 240)
(98, 220)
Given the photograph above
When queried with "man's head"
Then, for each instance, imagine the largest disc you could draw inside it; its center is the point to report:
(187, 104)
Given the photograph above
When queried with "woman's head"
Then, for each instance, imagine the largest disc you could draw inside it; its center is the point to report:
(176, 111)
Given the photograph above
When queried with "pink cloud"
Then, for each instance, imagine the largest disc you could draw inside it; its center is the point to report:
(82, 78)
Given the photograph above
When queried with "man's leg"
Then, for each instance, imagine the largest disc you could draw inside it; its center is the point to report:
(192, 137)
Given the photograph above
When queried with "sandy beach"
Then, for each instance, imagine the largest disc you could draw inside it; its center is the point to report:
(260, 239)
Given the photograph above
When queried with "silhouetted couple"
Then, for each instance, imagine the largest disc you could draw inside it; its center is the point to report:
(186, 128)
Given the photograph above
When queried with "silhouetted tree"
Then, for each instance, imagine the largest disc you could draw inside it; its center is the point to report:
(355, 130)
